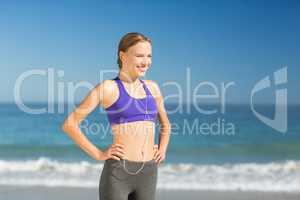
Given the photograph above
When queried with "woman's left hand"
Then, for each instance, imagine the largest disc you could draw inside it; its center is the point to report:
(159, 155)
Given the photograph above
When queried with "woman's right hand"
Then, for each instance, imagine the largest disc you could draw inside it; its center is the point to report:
(115, 151)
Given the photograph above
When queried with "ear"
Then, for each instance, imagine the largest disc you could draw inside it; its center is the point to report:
(121, 55)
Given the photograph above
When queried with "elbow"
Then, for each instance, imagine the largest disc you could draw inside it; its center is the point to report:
(166, 128)
(168, 125)
(69, 126)
(66, 126)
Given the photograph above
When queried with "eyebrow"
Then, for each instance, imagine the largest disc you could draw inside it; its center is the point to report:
(140, 54)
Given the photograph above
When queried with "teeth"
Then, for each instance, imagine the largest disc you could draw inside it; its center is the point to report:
(141, 67)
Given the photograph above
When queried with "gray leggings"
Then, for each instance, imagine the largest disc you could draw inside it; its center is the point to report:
(117, 184)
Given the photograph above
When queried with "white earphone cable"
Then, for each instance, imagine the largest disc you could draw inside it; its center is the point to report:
(146, 141)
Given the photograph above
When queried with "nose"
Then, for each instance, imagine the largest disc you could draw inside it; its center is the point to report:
(146, 61)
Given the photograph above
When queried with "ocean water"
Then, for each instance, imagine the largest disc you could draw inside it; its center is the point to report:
(220, 151)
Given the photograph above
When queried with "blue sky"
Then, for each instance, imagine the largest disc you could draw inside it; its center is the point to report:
(219, 41)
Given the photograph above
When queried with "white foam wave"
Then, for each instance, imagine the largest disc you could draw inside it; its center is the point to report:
(277, 176)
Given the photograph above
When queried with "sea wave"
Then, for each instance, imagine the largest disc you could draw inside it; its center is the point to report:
(273, 176)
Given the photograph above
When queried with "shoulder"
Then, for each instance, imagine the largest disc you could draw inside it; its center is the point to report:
(153, 87)
(151, 83)
(107, 86)
(108, 92)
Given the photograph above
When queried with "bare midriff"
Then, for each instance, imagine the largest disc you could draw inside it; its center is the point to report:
(136, 137)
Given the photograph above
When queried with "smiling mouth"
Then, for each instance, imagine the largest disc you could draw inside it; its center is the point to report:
(141, 68)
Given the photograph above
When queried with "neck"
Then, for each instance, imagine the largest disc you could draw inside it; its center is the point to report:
(126, 77)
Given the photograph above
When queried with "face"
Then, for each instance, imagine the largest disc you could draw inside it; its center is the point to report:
(137, 59)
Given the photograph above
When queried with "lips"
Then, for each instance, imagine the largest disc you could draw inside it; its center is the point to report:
(141, 68)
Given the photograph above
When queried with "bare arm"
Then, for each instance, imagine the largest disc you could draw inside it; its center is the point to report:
(71, 125)
(165, 127)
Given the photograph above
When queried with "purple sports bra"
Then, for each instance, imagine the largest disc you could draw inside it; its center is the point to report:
(130, 109)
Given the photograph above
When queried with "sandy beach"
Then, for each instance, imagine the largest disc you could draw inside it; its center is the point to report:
(63, 193)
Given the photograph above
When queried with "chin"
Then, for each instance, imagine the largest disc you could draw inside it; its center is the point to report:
(141, 74)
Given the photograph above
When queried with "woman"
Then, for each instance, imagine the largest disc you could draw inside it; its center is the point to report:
(132, 106)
